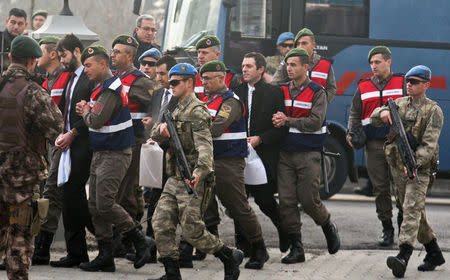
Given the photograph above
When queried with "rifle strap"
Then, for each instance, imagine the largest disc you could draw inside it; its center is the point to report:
(4, 81)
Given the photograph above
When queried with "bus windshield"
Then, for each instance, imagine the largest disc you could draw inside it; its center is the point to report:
(189, 19)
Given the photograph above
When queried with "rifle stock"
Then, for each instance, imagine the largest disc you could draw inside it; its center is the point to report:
(181, 161)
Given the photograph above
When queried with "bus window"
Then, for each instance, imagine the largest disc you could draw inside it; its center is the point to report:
(252, 18)
(338, 17)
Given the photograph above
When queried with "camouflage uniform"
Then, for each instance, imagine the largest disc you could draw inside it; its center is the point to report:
(193, 122)
(281, 76)
(424, 119)
(130, 194)
(272, 64)
(22, 169)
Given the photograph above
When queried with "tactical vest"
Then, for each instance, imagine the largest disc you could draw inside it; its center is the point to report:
(117, 133)
(233, 142)
(372, 98)
(137, 110)
(300, 107)
(319, 73)
(57, 90)
(200, 90)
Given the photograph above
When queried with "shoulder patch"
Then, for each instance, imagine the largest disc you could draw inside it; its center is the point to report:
(315, 86)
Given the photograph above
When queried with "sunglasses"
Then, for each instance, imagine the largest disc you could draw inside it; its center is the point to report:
(175, 82)
(287, 45)
(415, 81)
(148, 63)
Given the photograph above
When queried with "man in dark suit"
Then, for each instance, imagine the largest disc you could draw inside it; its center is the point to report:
(75, 211)
(161, 100)
(261, 101)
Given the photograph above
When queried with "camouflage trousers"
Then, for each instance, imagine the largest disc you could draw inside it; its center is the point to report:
(15, 239)
(176, 206)
(411, 196)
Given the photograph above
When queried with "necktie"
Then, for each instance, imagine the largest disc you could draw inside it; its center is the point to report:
(249, 105)
(68, 92)
(164, 105)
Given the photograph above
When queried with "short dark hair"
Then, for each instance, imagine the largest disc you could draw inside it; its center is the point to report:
(189, 77)
(18, 13)
(168, 60)
(102, 56)
(50, 47)
(20, 60)
(302, 58)
(69, 42)
(386, 55)
(260, 60)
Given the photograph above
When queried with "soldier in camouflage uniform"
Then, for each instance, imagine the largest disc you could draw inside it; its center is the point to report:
(28, 116)
(423, 119)
(176, 206)
(285, 43)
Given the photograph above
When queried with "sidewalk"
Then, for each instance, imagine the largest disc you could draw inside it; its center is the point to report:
(346, 264)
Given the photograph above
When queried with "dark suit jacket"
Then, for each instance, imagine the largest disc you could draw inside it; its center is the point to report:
(267, 100)
(154, 107)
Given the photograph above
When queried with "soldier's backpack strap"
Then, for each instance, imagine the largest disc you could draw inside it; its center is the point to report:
(4, 81)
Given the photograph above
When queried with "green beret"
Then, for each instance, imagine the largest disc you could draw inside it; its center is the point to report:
(25, 47)
(213, 66)
(49, 40)
(43, 13)
(125, 40)
(377, 50)
(207, 41)
(304, 32)
(91, 51)
(296, 52)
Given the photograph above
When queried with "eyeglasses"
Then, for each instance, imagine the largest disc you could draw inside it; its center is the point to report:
(148, 63)
(175, 82)
(207, 78)
(287, 45)
(415, 81)
(147, 29)
(114, 51)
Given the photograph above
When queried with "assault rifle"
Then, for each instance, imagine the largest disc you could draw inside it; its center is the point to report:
(404, 147)
(180, 157)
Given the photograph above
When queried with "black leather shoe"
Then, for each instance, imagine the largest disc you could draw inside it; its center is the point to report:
(433, 257)
(331, 234)
(296, 254)
(3, 265)
(399, 263)
(67, 262)
(258, 257)
(388, 234)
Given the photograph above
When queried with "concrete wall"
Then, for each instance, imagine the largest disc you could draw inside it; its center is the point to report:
(108, 18)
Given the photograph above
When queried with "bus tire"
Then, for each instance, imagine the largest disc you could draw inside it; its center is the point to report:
(337, 168)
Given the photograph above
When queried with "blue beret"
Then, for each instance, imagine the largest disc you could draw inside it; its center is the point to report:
(420, 71)
(182, 69)
(153, 52)
(284, 37)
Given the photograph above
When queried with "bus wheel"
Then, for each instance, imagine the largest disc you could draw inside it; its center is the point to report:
(337, 168)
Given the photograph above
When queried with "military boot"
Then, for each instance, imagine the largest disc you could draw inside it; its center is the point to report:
(104, 261)
(152, 259)
(283, 239)
(185, 250)
(388, 234)
(433, 257)
(141, 245)
(3, 265)
(41, 255)
(331, 234)
(231, 259)
(172, 268)
(241, 241)
(258, 256)
(398, 263)
(296, 254)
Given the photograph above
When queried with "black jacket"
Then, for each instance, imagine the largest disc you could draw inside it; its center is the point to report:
(267, 100)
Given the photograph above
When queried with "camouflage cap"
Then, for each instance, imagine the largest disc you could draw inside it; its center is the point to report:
(296, 52)
(125, 40)
(49, 40)
(91, 51)
(43, 13)
(303, 32)
(213, 66)
(377, 50)
(182, 69)
(207, 41)
(25, 47)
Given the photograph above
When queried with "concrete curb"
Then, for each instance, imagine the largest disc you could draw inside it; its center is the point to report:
(361, 198)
